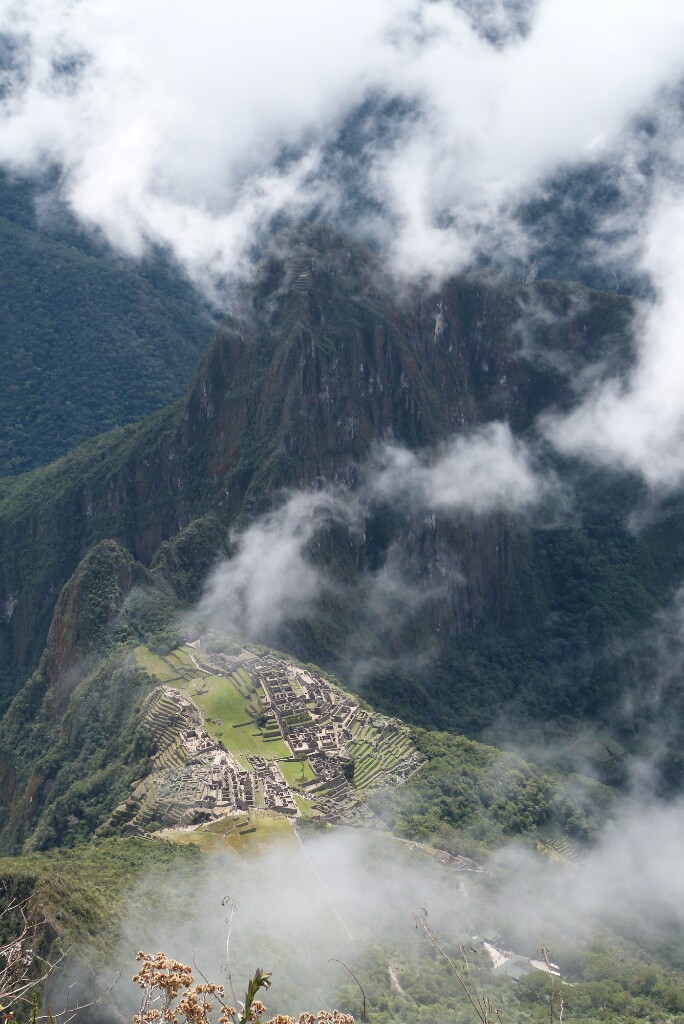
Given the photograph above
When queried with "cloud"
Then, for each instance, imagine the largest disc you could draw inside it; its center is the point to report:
(274, 578)
(629, 879)
(637, 424)
(192, 128)
(486, 471)
(351, 894)
(270, 580)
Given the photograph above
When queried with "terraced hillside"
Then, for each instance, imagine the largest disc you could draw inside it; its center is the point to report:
(244, 738)
(381, 749)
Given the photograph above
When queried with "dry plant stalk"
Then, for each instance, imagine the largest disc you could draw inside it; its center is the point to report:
(171, 996)
(22, 968)
(481, 1004)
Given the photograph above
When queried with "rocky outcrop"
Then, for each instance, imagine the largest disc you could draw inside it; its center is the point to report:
(318, 359)
(84, 610)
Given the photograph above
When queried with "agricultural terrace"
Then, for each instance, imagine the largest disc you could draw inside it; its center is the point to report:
(252, 834)
(242, 732)
(228, 704)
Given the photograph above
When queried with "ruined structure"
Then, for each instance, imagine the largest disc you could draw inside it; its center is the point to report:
(342, 749)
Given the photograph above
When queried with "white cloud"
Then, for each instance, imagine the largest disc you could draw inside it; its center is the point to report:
(637, 424)
(270, 580)
(173, 128)
(488, 470)
(193, 127)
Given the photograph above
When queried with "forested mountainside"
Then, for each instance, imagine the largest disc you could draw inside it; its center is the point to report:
(319, 361)
(92, 724)
(88, 341)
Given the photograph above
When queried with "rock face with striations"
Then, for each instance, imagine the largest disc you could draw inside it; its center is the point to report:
(317, 360)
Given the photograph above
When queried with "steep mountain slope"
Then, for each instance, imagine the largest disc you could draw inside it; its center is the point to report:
(88, 341)
(119, 730)
(317, 362)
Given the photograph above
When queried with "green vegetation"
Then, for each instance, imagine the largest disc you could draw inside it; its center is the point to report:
(90, 341)
(228, 704)
(296, 772)
(159, 666)
(87, 889)
(608, 983)
(545, 633)
(376, 747)
(470, 798)
(550, 623)
(251, 834)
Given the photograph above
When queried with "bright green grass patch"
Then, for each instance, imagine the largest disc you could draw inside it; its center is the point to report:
(244, 676)
(157, 666)
(223, 834)
(183, 665)
(296, 772)
(222, 702)
(245, 688)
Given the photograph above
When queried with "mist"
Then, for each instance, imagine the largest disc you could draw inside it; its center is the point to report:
(192, 129)
(274, 577)
(352, 895)
(428, 128)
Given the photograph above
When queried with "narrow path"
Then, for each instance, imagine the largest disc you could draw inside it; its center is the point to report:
(198, 667)
(394, 981)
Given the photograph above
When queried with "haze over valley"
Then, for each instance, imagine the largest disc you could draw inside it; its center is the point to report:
(341, 511)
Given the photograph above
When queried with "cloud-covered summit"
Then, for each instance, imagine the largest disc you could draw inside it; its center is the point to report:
(426, 125)
(193, 127)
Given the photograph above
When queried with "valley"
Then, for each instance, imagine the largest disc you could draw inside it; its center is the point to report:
(341, 513)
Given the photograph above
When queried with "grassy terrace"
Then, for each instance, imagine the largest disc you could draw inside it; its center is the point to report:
(296, 772)
(235, 834)
(166, 669)
(376, 750)
(228, 704)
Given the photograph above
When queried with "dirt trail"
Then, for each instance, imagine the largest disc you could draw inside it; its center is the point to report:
(394, 981)
(198, 667)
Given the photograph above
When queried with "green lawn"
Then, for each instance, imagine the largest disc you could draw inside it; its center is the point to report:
(182, 655)
(223, 703)
(244, 676)
(296, 771)
(223, 834)
(165, 669)
(228, 714)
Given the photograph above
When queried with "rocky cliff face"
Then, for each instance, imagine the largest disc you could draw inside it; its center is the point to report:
(86, 606)
(318, 359)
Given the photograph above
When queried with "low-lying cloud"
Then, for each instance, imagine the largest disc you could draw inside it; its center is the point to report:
(425, 124)
(637, 424)
(478, 473)
(271, 578)
(351, 895)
